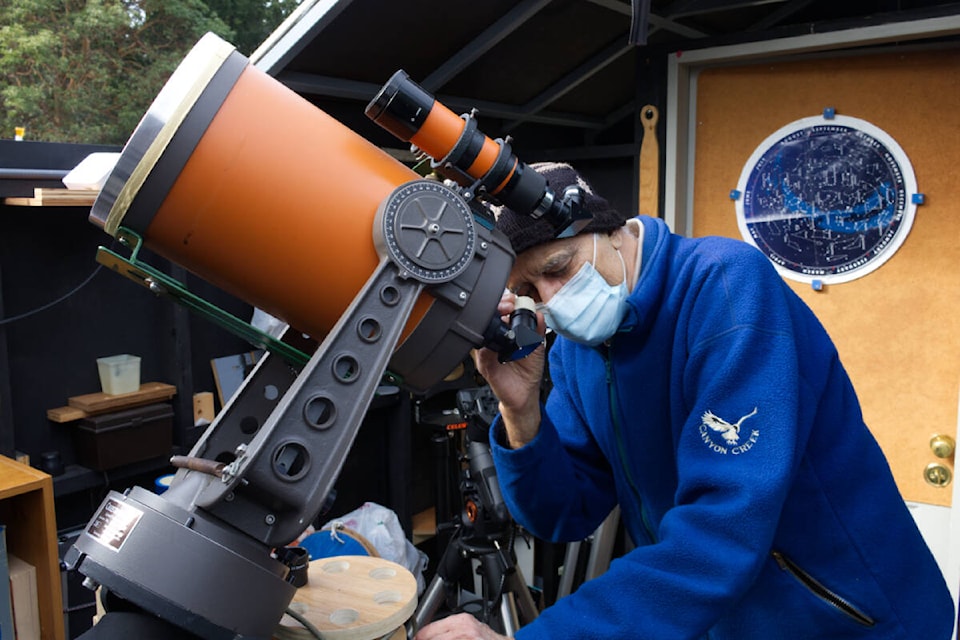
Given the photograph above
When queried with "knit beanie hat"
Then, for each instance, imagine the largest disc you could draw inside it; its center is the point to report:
(525, 232)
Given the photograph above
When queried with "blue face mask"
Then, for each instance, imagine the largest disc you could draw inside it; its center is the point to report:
(588, 309)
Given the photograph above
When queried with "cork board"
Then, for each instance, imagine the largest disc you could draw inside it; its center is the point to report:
(897, 329)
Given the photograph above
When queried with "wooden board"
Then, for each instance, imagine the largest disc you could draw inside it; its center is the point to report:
(649, 179)
(897, 329)
(66, 414)
(203, 411)
(96, 403)
(56, 198)
(352, 598)
(17, 478)
(424, 525)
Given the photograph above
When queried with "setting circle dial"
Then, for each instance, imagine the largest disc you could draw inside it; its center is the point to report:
(429, 230)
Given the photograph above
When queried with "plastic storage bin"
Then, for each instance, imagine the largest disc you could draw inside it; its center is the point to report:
(119, 374)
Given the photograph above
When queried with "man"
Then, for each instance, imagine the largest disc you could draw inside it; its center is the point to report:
(693, 388)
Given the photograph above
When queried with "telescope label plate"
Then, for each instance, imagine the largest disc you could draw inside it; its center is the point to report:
(113, 524)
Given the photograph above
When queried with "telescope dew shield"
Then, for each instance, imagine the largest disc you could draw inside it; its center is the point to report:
(247, 185)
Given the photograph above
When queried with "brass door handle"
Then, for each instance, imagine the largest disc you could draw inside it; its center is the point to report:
(938, 474)
(942, 446)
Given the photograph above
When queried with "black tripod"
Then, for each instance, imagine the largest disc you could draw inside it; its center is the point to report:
(484, 532)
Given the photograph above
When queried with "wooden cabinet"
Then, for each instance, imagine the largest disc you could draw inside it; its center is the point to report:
(26, 508)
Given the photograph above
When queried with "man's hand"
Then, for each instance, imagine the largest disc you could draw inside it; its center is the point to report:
(462, 626)
(516, 384)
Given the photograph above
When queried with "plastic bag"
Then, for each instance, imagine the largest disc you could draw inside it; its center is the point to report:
(381, 527)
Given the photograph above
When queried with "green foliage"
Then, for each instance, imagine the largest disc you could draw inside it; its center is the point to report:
(87, 70)
(252, 20)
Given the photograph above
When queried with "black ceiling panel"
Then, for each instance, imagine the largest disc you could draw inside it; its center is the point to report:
(548, 72)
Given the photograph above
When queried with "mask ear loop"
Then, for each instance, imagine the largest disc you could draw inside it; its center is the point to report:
(623, 264)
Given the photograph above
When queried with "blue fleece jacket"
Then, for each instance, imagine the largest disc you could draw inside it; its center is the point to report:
(722, 422)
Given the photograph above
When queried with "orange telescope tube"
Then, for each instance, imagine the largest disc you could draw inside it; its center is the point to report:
(252, 188)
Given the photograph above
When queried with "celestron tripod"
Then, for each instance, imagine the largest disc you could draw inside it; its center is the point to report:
(484, 532)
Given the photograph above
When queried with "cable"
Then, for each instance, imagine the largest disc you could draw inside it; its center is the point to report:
(32, 312)
(306, 623)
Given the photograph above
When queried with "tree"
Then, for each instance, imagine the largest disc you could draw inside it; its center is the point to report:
(87, 70)
(252, 20)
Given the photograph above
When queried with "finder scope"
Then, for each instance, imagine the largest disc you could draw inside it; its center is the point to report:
(461, 152)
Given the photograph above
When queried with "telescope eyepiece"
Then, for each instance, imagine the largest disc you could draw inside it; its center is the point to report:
(401, 106)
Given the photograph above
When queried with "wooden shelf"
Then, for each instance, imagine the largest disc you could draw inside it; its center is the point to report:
(56, 198)
(26, 508)
(91, 404)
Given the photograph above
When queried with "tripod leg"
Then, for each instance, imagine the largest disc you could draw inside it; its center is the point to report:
(569, 569)
(517, 585)
(443, 583)
(504, 581)
(516, 604)
(433, 597)
(508, 614)
(601, 550)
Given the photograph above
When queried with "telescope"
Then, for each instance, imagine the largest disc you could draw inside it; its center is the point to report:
(383, 277)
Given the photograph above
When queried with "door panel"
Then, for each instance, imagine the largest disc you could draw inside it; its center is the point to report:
(897, 329)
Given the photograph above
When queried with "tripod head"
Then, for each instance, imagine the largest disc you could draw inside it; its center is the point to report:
(485, 532)
(485, 513)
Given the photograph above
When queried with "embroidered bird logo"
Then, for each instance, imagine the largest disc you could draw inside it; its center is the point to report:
(730, 432)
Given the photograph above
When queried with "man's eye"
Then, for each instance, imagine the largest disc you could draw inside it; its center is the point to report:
(556, 272)
(558, 267)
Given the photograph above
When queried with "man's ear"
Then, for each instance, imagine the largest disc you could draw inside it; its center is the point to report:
(616, 238)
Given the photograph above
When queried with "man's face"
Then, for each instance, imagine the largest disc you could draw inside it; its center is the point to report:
(540, 271)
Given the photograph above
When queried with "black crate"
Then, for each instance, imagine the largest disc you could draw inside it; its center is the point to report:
(114, 439)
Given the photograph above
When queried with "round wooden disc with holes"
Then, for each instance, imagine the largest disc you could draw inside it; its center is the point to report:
(352, 598)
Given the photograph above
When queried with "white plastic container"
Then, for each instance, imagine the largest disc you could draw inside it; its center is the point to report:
(92, 172)
(119, 374)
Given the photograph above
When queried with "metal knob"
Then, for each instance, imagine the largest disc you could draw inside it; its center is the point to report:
(937, 474)
(942, 446)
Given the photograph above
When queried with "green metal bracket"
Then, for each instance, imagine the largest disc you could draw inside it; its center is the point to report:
(162, 284)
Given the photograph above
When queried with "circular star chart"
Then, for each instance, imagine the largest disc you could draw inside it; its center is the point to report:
(827, 199)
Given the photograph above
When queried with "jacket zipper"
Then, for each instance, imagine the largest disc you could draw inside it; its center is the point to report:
(621, 451)
(825, 594)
